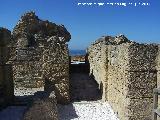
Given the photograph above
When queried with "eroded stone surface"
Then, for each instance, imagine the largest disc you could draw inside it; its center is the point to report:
(128, 73)
(39, 55)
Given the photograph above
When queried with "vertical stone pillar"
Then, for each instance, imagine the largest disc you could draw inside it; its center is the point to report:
(56, 70)
(98, 63)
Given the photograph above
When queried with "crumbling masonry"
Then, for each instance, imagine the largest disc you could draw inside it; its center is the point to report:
(127, 72)
(40, 57)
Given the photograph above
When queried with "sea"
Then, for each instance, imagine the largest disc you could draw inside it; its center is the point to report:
(77, 52)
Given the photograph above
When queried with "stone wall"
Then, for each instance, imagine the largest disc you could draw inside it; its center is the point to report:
(97, 62)
(131, 76)
(6, 80)
(40, 57)
(56, 70)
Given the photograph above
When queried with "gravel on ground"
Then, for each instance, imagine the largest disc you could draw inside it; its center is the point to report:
(92, 110)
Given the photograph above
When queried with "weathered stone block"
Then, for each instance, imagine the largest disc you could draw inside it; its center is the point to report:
(28, 74)
(98, 54)
(132, 73)
(118, 56)
(140, 107)
(58, 55)
(57, 76)
(142, 57)
(141, 84)
(62, 92)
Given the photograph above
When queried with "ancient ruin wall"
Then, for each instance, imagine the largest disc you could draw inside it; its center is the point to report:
(39, 55)
(131, 77)
(98, 60)
(56, 70)
(6, 80)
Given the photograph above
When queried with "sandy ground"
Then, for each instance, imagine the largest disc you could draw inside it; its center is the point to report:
(88, 105)
(86, 111)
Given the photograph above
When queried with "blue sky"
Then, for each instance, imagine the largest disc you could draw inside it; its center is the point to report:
(88, 23)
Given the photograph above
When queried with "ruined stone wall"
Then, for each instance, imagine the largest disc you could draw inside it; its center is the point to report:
(97, 62)
(40, 57)
(158, 75)
(27, 68)
(131, 76)
(6, 80)
(56, 70)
